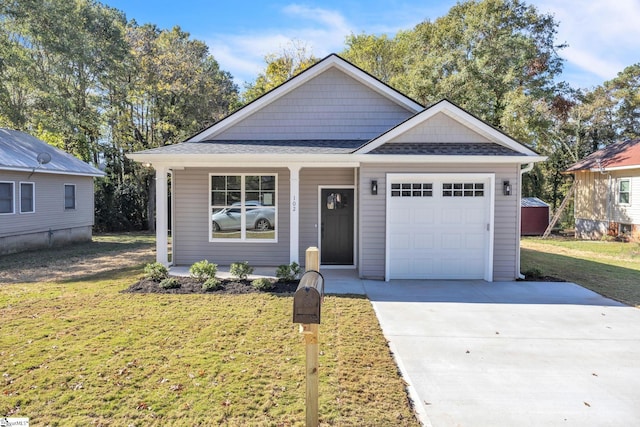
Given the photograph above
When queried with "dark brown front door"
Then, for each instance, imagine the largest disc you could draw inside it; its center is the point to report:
(336, 234)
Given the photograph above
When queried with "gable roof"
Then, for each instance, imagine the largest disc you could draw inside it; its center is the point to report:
(19, 152)
(616, 156)
(332, 61)
(507, 144)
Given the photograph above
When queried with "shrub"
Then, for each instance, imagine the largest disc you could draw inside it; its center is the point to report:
(212, 284)
(155, 271)
(533, 273)
(203, 270)
(288, 273)
(241, 270)
(262, 284)
(169, 283)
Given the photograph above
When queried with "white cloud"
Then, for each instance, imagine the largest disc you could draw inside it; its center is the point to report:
(602, 35)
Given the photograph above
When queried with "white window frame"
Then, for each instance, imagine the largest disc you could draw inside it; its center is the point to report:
(619, 193)
(75, 198)
(13, 198)
(33, 197)
(243, 209)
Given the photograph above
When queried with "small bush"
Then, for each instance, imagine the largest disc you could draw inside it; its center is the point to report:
(203, 270)
(288, 273)
(262, 284)
(212, 284)
(533, 273)
(155, 271)
(169, 283)
(241, 270)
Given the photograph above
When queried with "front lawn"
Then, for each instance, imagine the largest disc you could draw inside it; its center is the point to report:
(81, 352)
(609, 268)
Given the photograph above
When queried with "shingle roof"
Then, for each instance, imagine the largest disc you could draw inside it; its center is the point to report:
(616, 155)
(19, 151)
(260, 147)
(446, 149)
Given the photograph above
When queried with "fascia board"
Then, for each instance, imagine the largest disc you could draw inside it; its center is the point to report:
(319, 160)
(51, 172)
(615, 168)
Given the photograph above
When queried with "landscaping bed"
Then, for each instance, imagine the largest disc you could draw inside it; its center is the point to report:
(189, 285)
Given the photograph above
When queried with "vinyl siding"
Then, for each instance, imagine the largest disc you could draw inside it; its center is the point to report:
(372, 215)
(332, 105)
(192, 213)
(440, 128)
(50, 213)
(310, 180)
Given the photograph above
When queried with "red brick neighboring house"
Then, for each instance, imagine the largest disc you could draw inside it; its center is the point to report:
(607, 199)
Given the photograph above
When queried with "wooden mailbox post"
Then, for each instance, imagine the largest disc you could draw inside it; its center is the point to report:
(307, 302)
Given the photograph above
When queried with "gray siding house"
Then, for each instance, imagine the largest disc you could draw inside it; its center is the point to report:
(46, 195)
(336, 159)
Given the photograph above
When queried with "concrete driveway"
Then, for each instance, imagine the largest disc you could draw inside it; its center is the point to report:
(512, 354)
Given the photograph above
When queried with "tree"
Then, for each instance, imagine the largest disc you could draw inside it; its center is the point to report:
(281, 66)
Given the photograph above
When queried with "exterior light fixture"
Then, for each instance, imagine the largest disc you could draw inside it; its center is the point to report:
(506, 188)
(374, 187)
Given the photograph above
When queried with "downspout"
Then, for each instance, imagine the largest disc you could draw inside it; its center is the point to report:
(527, 168)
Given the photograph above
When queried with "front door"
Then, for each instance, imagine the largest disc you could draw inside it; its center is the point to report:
(336, 232)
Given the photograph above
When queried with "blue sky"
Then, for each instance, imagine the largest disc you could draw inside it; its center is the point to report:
(603, 36)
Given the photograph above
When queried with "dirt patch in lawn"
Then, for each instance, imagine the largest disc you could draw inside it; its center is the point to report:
(192, 286)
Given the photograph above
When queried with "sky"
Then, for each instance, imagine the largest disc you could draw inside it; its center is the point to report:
(603, 37)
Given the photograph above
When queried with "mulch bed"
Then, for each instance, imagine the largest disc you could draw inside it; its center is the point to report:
(192, 286)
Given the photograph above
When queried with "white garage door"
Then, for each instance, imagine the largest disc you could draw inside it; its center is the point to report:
(438, 226)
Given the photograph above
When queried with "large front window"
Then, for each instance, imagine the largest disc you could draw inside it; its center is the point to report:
(243, 207)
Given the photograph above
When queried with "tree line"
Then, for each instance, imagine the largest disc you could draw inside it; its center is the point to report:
(80, 76)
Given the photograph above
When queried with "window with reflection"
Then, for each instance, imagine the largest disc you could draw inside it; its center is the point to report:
(243, 207)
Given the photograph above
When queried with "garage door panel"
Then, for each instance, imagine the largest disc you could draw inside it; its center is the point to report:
(439, 237)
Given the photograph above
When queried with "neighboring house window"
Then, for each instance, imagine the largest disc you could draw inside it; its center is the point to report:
(27, 197)
(6, 197)
(69, 196)
(243, 207)
(624, 191)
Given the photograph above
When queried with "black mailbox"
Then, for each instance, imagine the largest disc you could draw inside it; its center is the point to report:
(308, 298)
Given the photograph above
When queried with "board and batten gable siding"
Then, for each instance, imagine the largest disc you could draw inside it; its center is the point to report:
(332, 105)
(50, 213)
(192, 213)
(372, 214)
(440, 128)
(310, 180)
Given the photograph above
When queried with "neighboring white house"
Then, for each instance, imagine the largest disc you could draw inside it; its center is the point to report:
(607, 198)
(336, 159)
(46, 195)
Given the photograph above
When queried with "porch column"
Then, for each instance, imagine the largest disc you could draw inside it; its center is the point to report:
(161, 216)
(294, 216)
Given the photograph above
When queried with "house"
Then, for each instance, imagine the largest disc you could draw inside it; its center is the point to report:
(46, 195)
(534, 214)
(336, 159)
(607, 192)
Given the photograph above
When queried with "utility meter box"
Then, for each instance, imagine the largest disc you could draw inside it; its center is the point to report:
(307, 301)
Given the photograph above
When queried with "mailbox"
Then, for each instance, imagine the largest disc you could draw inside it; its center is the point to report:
(307, 300)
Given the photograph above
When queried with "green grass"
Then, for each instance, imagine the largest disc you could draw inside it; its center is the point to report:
(609, 268)
(80, 353)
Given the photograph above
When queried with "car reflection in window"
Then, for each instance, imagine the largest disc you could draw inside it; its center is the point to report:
(259, 217)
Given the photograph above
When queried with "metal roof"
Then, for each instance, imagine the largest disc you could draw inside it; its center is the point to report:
(622, 154)
(532, 202)
(19, 152)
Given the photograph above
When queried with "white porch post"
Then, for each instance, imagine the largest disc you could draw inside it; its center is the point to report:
(294, 217)
(161, 216)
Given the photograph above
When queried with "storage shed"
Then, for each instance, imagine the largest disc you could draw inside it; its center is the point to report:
(535, 216)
